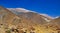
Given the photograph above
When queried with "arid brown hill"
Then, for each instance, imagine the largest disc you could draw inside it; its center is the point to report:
(56, 22)
(21, 20)
(31, 17)
(7, 16)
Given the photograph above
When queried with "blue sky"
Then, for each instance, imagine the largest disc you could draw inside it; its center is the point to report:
(50, 7)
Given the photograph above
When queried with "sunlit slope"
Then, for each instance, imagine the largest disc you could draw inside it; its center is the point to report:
(7, 16)
(28, 22)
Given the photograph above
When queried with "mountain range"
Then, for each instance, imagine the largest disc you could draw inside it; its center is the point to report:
(20, 20)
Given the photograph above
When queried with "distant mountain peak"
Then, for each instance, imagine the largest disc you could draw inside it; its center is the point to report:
(57, 17)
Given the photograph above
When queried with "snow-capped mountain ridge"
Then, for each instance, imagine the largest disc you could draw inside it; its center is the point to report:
(25, 11)
(19, 10)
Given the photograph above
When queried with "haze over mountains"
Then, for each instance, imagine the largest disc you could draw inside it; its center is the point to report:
(22, 19)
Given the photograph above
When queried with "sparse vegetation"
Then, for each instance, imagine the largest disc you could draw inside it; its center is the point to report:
(8, 31)
(21, 24)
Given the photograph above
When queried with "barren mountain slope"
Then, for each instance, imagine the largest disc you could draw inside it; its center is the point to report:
(14, 21)
(30, 15)
(56, 22)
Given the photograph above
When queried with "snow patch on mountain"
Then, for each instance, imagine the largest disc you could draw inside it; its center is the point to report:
(46, 15)
(19, 9)
(57, 17)
(46, 19)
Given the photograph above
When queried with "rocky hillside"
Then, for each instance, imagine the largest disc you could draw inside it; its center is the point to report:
(19, 20)
(30, 15)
